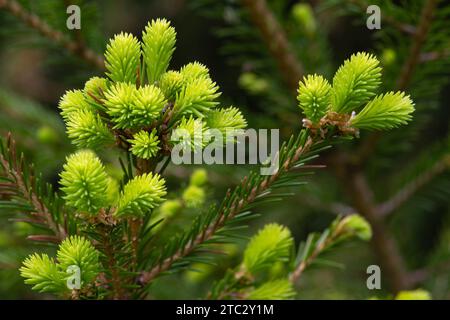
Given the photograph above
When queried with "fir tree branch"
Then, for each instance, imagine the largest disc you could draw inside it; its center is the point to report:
(384, 245)
(276, 41)
(227, 213)
(317, 251)
(25, 188)
(77, 48)
(389, 206)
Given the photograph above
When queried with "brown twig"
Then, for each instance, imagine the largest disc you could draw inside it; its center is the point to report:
(353, 177)
(26, 189)
(135, 229)
(317, 251)
(44, 238)
(276, 41)
(384, 245)
(108, 248)
(77, 48)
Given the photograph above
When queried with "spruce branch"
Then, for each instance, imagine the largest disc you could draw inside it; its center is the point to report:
(252, 187)
(295, 276)
(77, 48)
(272, 244)
(22, 185)
(355, 181)
(386, 111)
(158, 39)
(122, 58)
(42, 272)
(315, 245)
(233, 204)
(140, 195)
(279, 289)
(50, 275)
(276, 41)
(355, 82)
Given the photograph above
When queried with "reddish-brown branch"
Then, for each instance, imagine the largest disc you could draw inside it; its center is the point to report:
(115, 280)
(384, 245)
(276, 41)
(317, 251)
(135, 229)
(77, 48)
(25, 189)
(353, 177)
(222, 218)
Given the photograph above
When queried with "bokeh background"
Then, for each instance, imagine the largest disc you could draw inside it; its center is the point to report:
(399, 180)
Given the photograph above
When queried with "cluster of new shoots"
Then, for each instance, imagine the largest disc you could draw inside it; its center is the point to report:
(75, 268)
(351, 101)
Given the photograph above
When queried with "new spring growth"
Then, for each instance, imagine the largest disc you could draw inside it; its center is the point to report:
(84, 182)
(88, 188)
(356, 225)
(140, 104)
(194, 195)
(272, 244)
(351, 103)
(46, 274)
(279, 289)
(140, 195)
